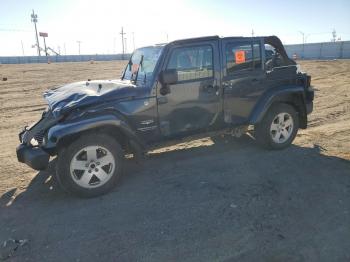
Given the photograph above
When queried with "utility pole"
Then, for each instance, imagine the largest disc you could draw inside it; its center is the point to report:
(167, 38)
(34, 19)
(22, 48)
(126, 42)
(122, 33)
(45, 46)
(334, 35)
(44, 35)
(306, 37)
(79, 46)
(252, 32)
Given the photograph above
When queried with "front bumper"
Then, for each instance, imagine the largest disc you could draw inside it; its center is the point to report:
(34, 157)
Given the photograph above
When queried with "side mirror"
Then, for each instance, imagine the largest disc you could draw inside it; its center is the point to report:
(168, 77)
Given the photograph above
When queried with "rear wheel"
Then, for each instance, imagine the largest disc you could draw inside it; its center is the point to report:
(90, 166)
(278, 128)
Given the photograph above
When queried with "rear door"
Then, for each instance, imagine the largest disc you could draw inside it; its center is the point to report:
(194, 101)
(244, 79)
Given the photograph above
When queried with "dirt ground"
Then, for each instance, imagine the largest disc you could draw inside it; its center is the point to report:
(213, 199)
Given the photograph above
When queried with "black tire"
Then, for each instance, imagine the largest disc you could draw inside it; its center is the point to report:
(67, 153)
(262, 130)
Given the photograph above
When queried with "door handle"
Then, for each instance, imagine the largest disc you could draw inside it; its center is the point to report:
(162, 100)
(211, 89)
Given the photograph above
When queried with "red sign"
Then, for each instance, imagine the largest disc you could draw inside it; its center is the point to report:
(240, 56)
(134, 68)
(43, 34)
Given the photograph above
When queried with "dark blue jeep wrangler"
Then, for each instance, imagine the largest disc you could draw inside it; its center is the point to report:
(186, 87)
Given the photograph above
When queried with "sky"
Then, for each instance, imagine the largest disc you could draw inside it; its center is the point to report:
(97, 24)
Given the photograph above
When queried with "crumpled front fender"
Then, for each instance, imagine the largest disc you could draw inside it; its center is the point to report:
(63, 130)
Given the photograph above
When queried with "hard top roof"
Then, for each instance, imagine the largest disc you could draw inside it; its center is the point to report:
(216, 37)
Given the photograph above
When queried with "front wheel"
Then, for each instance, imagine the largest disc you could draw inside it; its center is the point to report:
(90, 166)
(278, 128)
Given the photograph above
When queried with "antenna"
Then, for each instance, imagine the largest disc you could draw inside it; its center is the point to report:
(34, 19)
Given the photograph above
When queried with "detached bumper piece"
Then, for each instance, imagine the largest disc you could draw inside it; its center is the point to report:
(34, 157)
(309, 107)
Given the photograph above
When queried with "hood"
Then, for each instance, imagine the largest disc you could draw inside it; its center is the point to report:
(68, 97)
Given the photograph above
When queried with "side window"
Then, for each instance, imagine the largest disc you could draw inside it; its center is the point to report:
(269, 52)
(242, 56)
(192, 63)
(273, 59)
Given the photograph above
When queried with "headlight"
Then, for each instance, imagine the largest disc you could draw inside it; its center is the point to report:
(34, 142)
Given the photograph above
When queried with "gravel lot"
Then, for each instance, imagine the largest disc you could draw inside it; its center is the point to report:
(212, 199)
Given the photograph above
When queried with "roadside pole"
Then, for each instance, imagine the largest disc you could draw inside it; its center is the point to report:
(44, 35)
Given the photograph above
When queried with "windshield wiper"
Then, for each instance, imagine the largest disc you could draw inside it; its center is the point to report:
(129, 65)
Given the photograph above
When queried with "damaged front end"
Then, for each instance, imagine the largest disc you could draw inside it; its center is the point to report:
(32, 151)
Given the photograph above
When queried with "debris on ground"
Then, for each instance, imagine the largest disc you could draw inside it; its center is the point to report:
(10, 246)
(233, 205)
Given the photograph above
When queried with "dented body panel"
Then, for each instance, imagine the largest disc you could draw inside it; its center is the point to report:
(145, 111)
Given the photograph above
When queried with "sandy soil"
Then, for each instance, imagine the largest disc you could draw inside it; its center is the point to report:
(201, 200)
(329, 124)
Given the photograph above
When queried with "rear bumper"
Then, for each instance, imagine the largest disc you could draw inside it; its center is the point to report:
(34, 157)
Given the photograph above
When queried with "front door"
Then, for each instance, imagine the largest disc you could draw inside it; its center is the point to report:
(193, 102)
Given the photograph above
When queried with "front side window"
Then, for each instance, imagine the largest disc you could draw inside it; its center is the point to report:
(241, 56)
(192, 63)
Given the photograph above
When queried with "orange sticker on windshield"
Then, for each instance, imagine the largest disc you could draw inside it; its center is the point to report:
(134, 68)
(240, 56)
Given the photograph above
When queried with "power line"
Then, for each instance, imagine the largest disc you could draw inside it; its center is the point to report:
(14, 30)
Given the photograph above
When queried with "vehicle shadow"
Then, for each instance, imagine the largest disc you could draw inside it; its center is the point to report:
(44, 184)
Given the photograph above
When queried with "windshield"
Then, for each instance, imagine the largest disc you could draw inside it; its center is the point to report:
(147, 57)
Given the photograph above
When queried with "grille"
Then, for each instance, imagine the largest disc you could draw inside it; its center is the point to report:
(39, 137)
